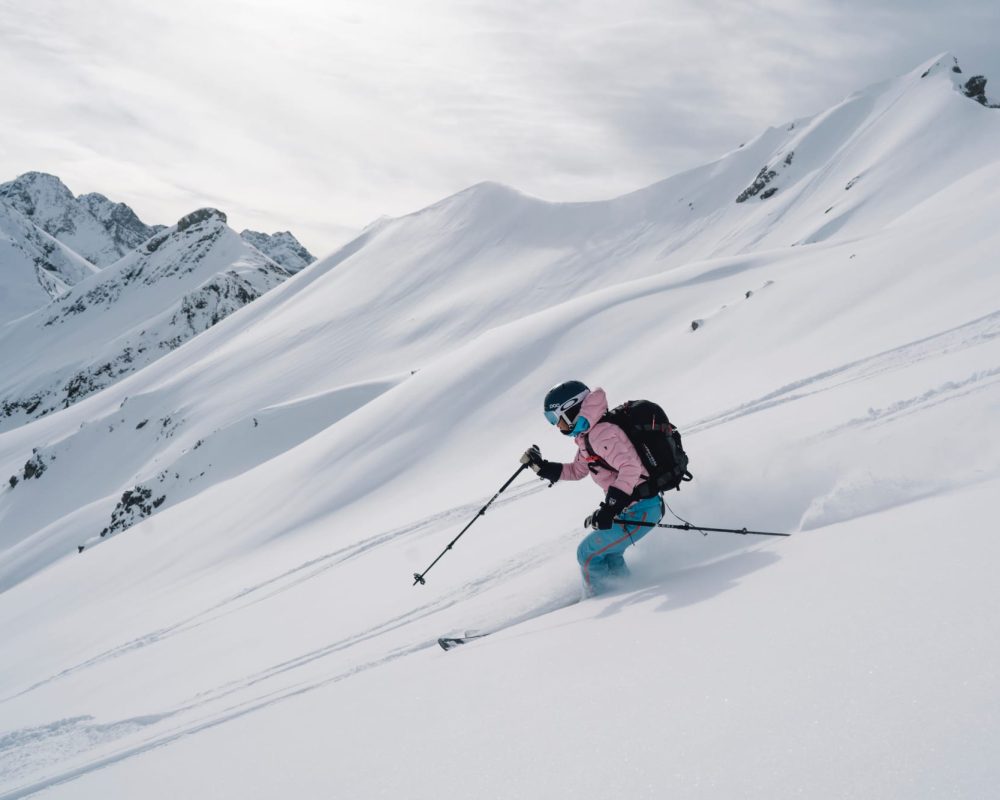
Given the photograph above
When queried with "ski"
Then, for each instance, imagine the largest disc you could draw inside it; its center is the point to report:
(451, 642)
(448, 642)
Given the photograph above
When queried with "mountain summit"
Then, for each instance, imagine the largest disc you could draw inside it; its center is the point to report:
(99, 230)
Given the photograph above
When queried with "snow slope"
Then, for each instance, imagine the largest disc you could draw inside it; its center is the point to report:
(34, 267)
(255, 633)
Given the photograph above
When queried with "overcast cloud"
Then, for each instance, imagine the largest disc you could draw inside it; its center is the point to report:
(319, 117)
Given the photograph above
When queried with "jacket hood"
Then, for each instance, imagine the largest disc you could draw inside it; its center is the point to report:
(594, 406)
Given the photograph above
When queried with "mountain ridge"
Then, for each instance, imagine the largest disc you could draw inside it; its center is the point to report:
(177, 284)
(93, 226)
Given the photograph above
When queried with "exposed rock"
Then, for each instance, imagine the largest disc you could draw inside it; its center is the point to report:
(34, 466)
(200, 215)
(764, 177)
(975, 88)
(135, 505)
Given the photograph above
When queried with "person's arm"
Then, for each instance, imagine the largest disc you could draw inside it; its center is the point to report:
(576, 469)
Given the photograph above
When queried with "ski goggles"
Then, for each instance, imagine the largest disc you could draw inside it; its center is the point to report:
(555, 413)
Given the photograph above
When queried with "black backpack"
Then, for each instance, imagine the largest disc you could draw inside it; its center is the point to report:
(657, 442)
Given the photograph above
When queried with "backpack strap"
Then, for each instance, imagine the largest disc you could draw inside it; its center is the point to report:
(592, 457)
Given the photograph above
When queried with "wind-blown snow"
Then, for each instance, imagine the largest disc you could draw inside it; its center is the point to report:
(256, 634)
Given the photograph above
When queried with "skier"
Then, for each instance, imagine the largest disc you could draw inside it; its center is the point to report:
(606, 454)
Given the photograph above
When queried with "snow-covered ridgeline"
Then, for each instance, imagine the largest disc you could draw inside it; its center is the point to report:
(59, 238)
(179, 283)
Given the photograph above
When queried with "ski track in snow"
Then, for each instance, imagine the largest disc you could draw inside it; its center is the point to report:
(62, 740)
(283, 582)
(944, 393)
(971, 334)
(90, 733)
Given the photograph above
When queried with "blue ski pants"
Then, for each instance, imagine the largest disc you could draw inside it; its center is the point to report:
(601, 554)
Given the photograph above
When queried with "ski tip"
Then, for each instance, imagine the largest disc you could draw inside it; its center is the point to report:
(448, 642)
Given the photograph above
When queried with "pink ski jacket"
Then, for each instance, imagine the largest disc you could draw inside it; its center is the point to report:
(611, 444)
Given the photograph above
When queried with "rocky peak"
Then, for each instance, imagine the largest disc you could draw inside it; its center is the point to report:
(93, 226)
(281, 247)
(201, 215)
(32, 190)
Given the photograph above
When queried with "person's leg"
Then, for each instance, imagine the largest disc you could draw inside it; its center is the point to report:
(601, 554)
(650, 511)
(591, 555)
(616, 565)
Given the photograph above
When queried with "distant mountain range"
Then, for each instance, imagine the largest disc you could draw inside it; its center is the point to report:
(100, 230)
(90, 293)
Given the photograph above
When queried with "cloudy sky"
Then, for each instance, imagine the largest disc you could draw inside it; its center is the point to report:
(321, 115)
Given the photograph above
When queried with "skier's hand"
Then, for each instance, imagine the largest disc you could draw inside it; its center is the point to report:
(614, 503)
(532, 457)
(600, 520)
(546, 470)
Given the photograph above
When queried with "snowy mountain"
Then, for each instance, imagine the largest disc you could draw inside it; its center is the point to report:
(91, 225)
(179, 283)
(817, 311)
(34, 267)
(282, 247)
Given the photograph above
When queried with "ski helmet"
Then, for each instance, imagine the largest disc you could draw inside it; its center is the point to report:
(564, 402)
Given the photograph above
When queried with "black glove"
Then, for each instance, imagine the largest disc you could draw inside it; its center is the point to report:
(614, 503)
(546, 470)
(532, 457)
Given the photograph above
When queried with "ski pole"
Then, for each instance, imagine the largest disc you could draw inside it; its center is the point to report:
(418, 577)
(687, 526)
